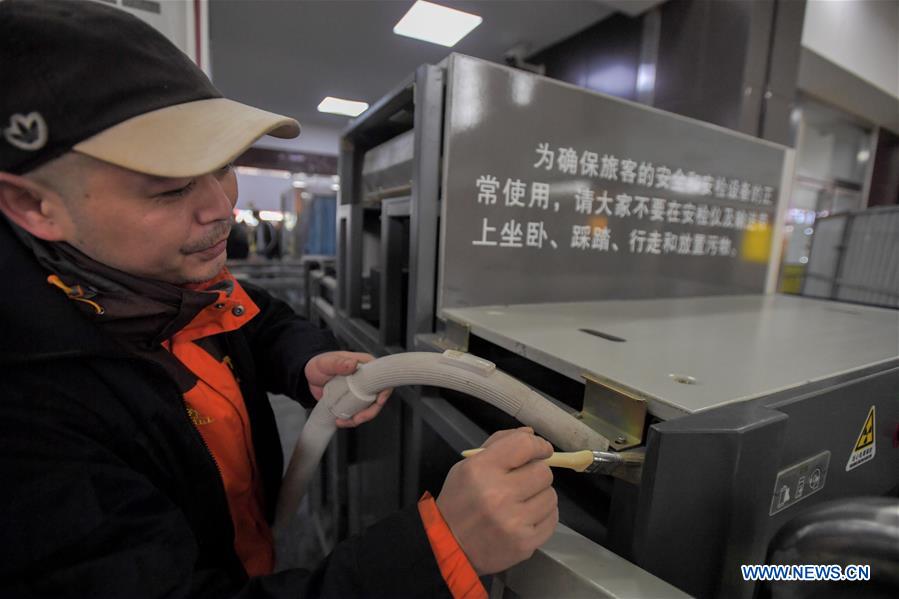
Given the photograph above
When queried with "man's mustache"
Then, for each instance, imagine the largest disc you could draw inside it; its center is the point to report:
(219, 232)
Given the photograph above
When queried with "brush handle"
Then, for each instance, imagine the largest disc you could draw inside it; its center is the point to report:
(575, 460)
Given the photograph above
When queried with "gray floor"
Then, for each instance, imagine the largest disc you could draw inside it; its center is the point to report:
(302, 550)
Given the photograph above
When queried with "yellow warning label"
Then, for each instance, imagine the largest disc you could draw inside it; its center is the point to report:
(865, 446)
(866, 437)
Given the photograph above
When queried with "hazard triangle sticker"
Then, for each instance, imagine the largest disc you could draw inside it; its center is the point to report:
(866, 444)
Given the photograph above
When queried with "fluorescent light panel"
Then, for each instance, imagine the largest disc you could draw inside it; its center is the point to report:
(340, 106)
(261, 172)
(436, 24)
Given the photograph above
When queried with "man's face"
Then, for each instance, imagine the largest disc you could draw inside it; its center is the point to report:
(171, 230)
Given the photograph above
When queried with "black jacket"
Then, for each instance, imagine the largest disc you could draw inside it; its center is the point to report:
(106, 488)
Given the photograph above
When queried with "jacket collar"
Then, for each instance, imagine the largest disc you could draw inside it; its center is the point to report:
(112, 311)
(37, 320)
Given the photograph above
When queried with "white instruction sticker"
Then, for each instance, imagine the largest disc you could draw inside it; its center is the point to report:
(798, 481)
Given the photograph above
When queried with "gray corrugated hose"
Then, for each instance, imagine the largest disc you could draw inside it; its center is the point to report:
(345, 396)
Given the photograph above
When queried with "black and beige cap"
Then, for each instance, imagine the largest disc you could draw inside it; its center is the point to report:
(83, 76)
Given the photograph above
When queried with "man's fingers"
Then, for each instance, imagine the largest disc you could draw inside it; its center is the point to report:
(531, 479)
(360, 417)
(337, 363)
(545, 529)
(503, 433)
(363, 358)
(367, 414)
(324, 367)
(517, 449)
(541, 505)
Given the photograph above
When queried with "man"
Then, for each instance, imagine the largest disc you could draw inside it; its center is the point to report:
(267, 238)
(138, 452)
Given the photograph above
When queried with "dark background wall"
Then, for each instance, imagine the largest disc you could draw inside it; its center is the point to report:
(702, 60)
(885, 176)
(604, 57)
(733, 63)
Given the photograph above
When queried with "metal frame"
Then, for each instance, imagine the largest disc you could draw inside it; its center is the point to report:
(705, 510)
(357, 499)
(840, 282)
(740, 437)
(619, 415)
(429, 98)
(360, 136)
(423, 94)
(393, 249)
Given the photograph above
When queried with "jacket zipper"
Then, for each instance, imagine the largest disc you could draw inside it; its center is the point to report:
(196, 434)
(223, 495)
(199, 437)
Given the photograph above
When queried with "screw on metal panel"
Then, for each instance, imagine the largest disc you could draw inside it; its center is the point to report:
(684, 379)
(620, 439)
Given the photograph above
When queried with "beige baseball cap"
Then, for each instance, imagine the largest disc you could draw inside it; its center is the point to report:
(186, 139)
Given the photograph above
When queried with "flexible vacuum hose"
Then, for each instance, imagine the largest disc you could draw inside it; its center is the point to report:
(345, 396)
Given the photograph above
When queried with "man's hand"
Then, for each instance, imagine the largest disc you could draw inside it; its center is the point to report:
(499, 503)
(324, 367)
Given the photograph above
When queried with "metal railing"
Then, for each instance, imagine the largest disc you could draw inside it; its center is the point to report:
(855, 258)
(285, 279)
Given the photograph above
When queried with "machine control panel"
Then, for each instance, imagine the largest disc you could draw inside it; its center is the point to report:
(799, 481)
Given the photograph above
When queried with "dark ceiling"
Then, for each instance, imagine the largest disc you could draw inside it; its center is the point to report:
(286, 56)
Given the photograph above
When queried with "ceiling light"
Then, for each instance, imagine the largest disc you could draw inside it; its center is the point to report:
(262, 172)
(246, 216)
(341, 106)
(271, 215)
(436, 24)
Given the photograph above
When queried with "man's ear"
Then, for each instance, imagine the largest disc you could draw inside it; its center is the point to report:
(34, 207)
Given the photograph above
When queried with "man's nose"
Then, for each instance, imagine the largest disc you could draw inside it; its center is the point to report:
(213, 202)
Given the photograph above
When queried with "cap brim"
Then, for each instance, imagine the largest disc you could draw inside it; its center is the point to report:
(188, 139)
